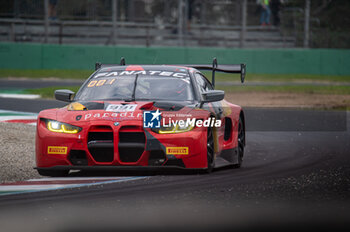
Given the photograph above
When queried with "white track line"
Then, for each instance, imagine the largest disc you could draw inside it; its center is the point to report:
(17, 112)
(33, 187)
(15, 117)
(20, 96)
(75, 178)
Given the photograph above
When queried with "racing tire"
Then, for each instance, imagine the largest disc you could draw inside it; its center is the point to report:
(240, 144)
(210, 151)
(53, 173)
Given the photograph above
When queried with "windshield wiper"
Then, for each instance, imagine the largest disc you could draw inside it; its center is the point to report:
(133, 91)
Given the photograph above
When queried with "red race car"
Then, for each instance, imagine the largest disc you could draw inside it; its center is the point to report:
(142, 116)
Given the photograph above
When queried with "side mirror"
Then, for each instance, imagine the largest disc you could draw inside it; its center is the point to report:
(213, 96)
(65, 95)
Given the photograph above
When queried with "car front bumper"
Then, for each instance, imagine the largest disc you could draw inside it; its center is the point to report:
(77, 152)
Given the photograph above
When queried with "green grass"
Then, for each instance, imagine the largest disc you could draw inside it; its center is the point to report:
(309, 89)
(220, 77)
(49, 91)
(84, 74)
(66, 74)
(19, 91)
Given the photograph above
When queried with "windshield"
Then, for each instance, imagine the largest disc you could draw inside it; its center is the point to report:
(137, 87)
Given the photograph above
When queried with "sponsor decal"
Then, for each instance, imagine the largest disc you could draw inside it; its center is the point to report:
(113, 116)
(134, 72)
(177, 150)
(121, 108)
(57, 150)
(151, 119)
(101, 82)
(76, 106)
(78, 117)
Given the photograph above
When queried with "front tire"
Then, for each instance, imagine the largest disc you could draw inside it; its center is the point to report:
(240, 143)
(53, 173)
(210, 151)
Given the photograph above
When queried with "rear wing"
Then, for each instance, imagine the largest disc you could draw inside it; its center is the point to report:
(227, 68)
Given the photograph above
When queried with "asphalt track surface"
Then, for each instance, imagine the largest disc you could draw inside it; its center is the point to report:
(295, 176)
(8, 84)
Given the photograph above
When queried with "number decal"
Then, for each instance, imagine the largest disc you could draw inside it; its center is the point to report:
(100, 83)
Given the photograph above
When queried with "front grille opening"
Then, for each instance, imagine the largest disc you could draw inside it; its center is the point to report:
(100, 145)
(156, 158)
(132, 137)
(100, 136)
(102, 154)
(78, 157)
(131, 146)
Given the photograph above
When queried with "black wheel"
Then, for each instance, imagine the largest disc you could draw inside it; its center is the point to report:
(240, 144)
(210, 150)
(53, 173)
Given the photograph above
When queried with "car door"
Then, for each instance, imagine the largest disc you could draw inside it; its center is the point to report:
(204, 85)
(214, 107)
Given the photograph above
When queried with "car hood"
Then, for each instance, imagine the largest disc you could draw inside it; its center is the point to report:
(117, 110)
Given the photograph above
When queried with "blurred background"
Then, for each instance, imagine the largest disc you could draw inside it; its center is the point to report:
(200, 23)
(296, 51)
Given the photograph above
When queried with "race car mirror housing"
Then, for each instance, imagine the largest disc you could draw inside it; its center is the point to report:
(213, 96)
(65, 95)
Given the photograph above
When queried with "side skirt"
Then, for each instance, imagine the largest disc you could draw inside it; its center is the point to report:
(226, 157)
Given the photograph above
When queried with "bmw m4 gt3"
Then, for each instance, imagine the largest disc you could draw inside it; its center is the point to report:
(142, 116)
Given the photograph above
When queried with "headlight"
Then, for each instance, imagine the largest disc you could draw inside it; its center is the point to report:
(61, 127)
(174, 129)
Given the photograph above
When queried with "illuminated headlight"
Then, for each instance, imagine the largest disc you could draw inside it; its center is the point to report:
(61, 127)
(174, 129)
